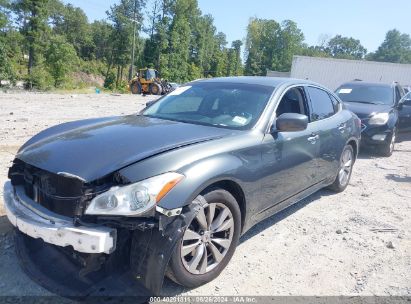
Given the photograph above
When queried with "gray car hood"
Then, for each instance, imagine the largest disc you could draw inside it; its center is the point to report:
(91, 149)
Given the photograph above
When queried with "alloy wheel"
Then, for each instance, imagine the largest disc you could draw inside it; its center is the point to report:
(346, 167)
(207, 239)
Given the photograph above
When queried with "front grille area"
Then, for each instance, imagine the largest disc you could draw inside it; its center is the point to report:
(57, 193)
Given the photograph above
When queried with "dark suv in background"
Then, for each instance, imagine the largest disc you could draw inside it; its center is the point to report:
(377, 105)
(405, 113)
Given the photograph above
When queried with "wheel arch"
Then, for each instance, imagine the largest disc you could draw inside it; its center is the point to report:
(355, 145)
(235, 190)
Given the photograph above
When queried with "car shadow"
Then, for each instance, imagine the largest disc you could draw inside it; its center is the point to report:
(398, 178)
(276, 218)
(368, 153)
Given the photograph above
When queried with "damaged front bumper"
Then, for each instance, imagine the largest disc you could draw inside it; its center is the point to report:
(143, 250)
(36, 222)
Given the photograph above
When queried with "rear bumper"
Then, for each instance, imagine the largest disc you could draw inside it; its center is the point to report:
(53, 228)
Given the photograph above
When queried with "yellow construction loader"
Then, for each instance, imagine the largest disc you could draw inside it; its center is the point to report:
(148, 81)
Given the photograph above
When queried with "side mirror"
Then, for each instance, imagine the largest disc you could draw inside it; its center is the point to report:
(291, 122)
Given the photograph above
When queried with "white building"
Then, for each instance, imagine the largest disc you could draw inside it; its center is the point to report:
(333, 72)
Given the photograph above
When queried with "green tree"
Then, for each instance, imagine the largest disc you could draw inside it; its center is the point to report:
(6, 71)
(237, 65)
(183, 43)
(123, 15)
(61, 58)
(72, 23)
(32, 16)
(180, 39)
(39, 77)
(101, 33)
(260, 40)
(314, 51)
(290, 43)
(346, 47)
(152, 46)
(156, 48)
(179, 49)
(271, 46)
(220, 56)
(204, 38)
(395, 48)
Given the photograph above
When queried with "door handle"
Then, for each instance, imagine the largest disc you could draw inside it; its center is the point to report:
(342, 127)
(313, 138)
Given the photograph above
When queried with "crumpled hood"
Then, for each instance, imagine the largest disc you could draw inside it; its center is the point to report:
(364, 110)
(91, 149)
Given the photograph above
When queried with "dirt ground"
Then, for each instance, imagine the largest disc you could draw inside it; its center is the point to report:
(354, 243)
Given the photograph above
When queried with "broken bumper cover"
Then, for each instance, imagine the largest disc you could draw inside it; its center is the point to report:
(55, 230)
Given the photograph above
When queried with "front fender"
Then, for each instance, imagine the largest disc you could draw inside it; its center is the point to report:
(236, 159)
(202, 174)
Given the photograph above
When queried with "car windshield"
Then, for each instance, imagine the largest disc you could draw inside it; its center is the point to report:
(225, 105)
(366, 94)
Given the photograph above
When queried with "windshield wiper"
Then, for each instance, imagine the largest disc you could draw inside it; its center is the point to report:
(366, 102)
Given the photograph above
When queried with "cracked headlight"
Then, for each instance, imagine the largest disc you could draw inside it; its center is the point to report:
(379, 119)
(134, 199)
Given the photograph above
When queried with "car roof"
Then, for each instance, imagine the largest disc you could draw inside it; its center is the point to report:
(257, 80)
(368, 84)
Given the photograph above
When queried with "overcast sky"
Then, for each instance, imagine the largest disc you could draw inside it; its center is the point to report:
(367, 20)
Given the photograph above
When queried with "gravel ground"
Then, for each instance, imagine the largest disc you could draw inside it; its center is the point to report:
(354, 243)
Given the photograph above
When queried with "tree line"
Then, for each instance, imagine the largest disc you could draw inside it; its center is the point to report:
(50, 44)
(271, 46)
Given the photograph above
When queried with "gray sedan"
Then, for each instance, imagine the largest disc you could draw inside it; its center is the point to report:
(170, 190)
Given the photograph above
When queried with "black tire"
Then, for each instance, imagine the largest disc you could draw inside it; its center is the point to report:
(135, 88)
(155, 89)
(339, 185)
(178, 272)
(388, 148)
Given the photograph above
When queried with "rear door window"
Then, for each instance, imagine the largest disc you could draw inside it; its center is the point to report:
(321, 104)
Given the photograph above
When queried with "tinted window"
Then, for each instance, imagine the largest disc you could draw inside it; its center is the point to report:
(293, 101)
(321, 104)
(373, 94)
(229, 105)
